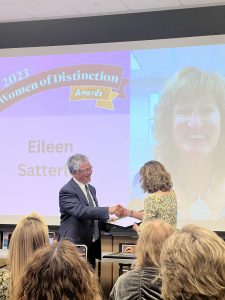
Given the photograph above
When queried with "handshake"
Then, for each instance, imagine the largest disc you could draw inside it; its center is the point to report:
(119, 211)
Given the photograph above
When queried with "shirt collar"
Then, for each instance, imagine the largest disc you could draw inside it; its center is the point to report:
(81, 185)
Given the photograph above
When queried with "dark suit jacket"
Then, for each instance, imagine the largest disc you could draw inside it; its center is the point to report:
(77, 217)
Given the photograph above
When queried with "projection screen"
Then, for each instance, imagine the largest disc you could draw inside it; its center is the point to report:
(122, 105)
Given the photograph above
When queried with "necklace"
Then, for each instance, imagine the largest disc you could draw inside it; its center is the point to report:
(199, 209)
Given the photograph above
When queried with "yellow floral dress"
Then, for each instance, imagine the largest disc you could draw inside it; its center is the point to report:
(4, 284)
(162, 206)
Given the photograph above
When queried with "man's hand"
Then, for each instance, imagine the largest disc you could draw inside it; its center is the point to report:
(124, 212)
(118, 210)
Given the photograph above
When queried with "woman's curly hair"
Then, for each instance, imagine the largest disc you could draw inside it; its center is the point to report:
(154, 177)
(193, 265)
(58, 272)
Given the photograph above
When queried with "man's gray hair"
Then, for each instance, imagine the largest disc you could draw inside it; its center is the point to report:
(75, 161)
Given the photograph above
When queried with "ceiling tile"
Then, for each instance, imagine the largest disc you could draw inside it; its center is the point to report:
(20, 10)
(201, 2)
(98, 6)
(50, 9)
(151, 4)
(9, 13)
(15, 1)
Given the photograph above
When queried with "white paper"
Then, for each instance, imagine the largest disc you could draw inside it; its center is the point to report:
(124, 222)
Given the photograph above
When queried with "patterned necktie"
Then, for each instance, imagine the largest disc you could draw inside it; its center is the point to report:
(91, 204)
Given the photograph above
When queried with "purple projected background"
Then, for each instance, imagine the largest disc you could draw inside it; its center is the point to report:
(32, 174)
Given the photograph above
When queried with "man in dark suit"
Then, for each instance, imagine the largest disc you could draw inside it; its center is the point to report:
(81, 217)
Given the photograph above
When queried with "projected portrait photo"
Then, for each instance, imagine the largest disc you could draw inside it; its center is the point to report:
(192, 111)
(180, 115)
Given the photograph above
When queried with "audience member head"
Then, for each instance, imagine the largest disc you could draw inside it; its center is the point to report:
(193, 265)
(30, 234)
(150, 241)
(57, 272)
(154, 177)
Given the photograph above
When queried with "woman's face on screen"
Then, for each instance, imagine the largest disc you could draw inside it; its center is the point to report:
(196, 125)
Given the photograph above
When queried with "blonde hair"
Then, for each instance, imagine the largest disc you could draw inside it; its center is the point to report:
(61, 273)
(193, 265)
(30, 234)
(154, 177)
(151, 238)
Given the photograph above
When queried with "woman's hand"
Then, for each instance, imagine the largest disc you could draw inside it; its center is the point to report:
(130, 249)
(136, 227)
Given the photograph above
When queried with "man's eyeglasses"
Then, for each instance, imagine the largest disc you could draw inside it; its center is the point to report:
(86, 171)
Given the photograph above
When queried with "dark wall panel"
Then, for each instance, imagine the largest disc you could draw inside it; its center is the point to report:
(114, 28)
